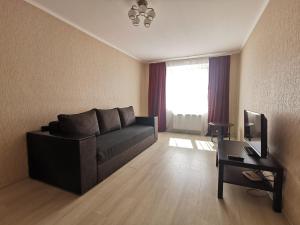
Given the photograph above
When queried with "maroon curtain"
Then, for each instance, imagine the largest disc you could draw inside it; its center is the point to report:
(157, 93)
(218, 89)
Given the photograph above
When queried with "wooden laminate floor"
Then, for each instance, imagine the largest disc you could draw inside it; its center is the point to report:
(172, 182)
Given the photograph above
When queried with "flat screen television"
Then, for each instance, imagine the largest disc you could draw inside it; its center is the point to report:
(255, 132)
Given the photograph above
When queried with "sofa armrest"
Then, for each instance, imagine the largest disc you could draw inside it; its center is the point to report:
(144, 120)
(150, 121)
(63, 161)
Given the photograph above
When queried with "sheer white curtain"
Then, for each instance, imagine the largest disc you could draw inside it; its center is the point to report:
(187, 95)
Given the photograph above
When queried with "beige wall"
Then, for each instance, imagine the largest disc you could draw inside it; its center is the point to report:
(46, 68)
(270, 83)
(234, 89)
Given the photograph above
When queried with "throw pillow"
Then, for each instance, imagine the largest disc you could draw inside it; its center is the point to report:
(109, 120)
(85, 123)
(127, 116)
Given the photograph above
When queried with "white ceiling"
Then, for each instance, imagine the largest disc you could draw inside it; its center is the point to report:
(182, 28)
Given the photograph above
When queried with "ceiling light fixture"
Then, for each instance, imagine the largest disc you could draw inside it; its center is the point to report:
(141, 10)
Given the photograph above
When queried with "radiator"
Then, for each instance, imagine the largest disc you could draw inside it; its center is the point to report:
(188, 122)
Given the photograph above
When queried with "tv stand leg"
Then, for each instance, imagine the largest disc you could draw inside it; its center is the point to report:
(277, 193)
(220, 182)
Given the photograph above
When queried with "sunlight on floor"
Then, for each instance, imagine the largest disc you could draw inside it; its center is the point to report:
(191, 144)
(181, 143)
(205, 145)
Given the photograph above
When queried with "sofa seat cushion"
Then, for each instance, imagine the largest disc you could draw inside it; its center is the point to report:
(114, 143)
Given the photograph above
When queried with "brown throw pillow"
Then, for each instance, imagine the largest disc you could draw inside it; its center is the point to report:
(109, 120)
(127, 116)
(85, 123)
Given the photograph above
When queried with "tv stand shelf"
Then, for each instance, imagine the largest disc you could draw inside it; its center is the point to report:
(230, 171)
(233, 175)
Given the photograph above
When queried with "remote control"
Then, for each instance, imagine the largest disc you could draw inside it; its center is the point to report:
(236, 158)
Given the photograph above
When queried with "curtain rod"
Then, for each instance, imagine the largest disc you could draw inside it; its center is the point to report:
(197, 56)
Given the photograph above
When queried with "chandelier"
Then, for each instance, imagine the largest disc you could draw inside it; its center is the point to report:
(141, 10)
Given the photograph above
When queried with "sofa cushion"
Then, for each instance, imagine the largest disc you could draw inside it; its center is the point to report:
(85, 123)
(127, 116)
(109, 120)
(54, 127)
(114, 143)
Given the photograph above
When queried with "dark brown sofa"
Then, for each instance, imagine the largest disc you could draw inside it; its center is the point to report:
(77, 161)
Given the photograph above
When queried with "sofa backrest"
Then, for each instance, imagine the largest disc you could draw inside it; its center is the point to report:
(95, 121)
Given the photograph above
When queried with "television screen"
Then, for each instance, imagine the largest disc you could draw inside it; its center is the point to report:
(255, 132)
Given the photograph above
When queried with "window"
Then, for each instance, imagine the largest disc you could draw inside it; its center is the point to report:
(187, 87)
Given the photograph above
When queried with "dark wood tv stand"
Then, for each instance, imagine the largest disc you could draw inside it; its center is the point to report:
(230, 171)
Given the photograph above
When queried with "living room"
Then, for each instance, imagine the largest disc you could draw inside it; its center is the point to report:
(172, 88)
